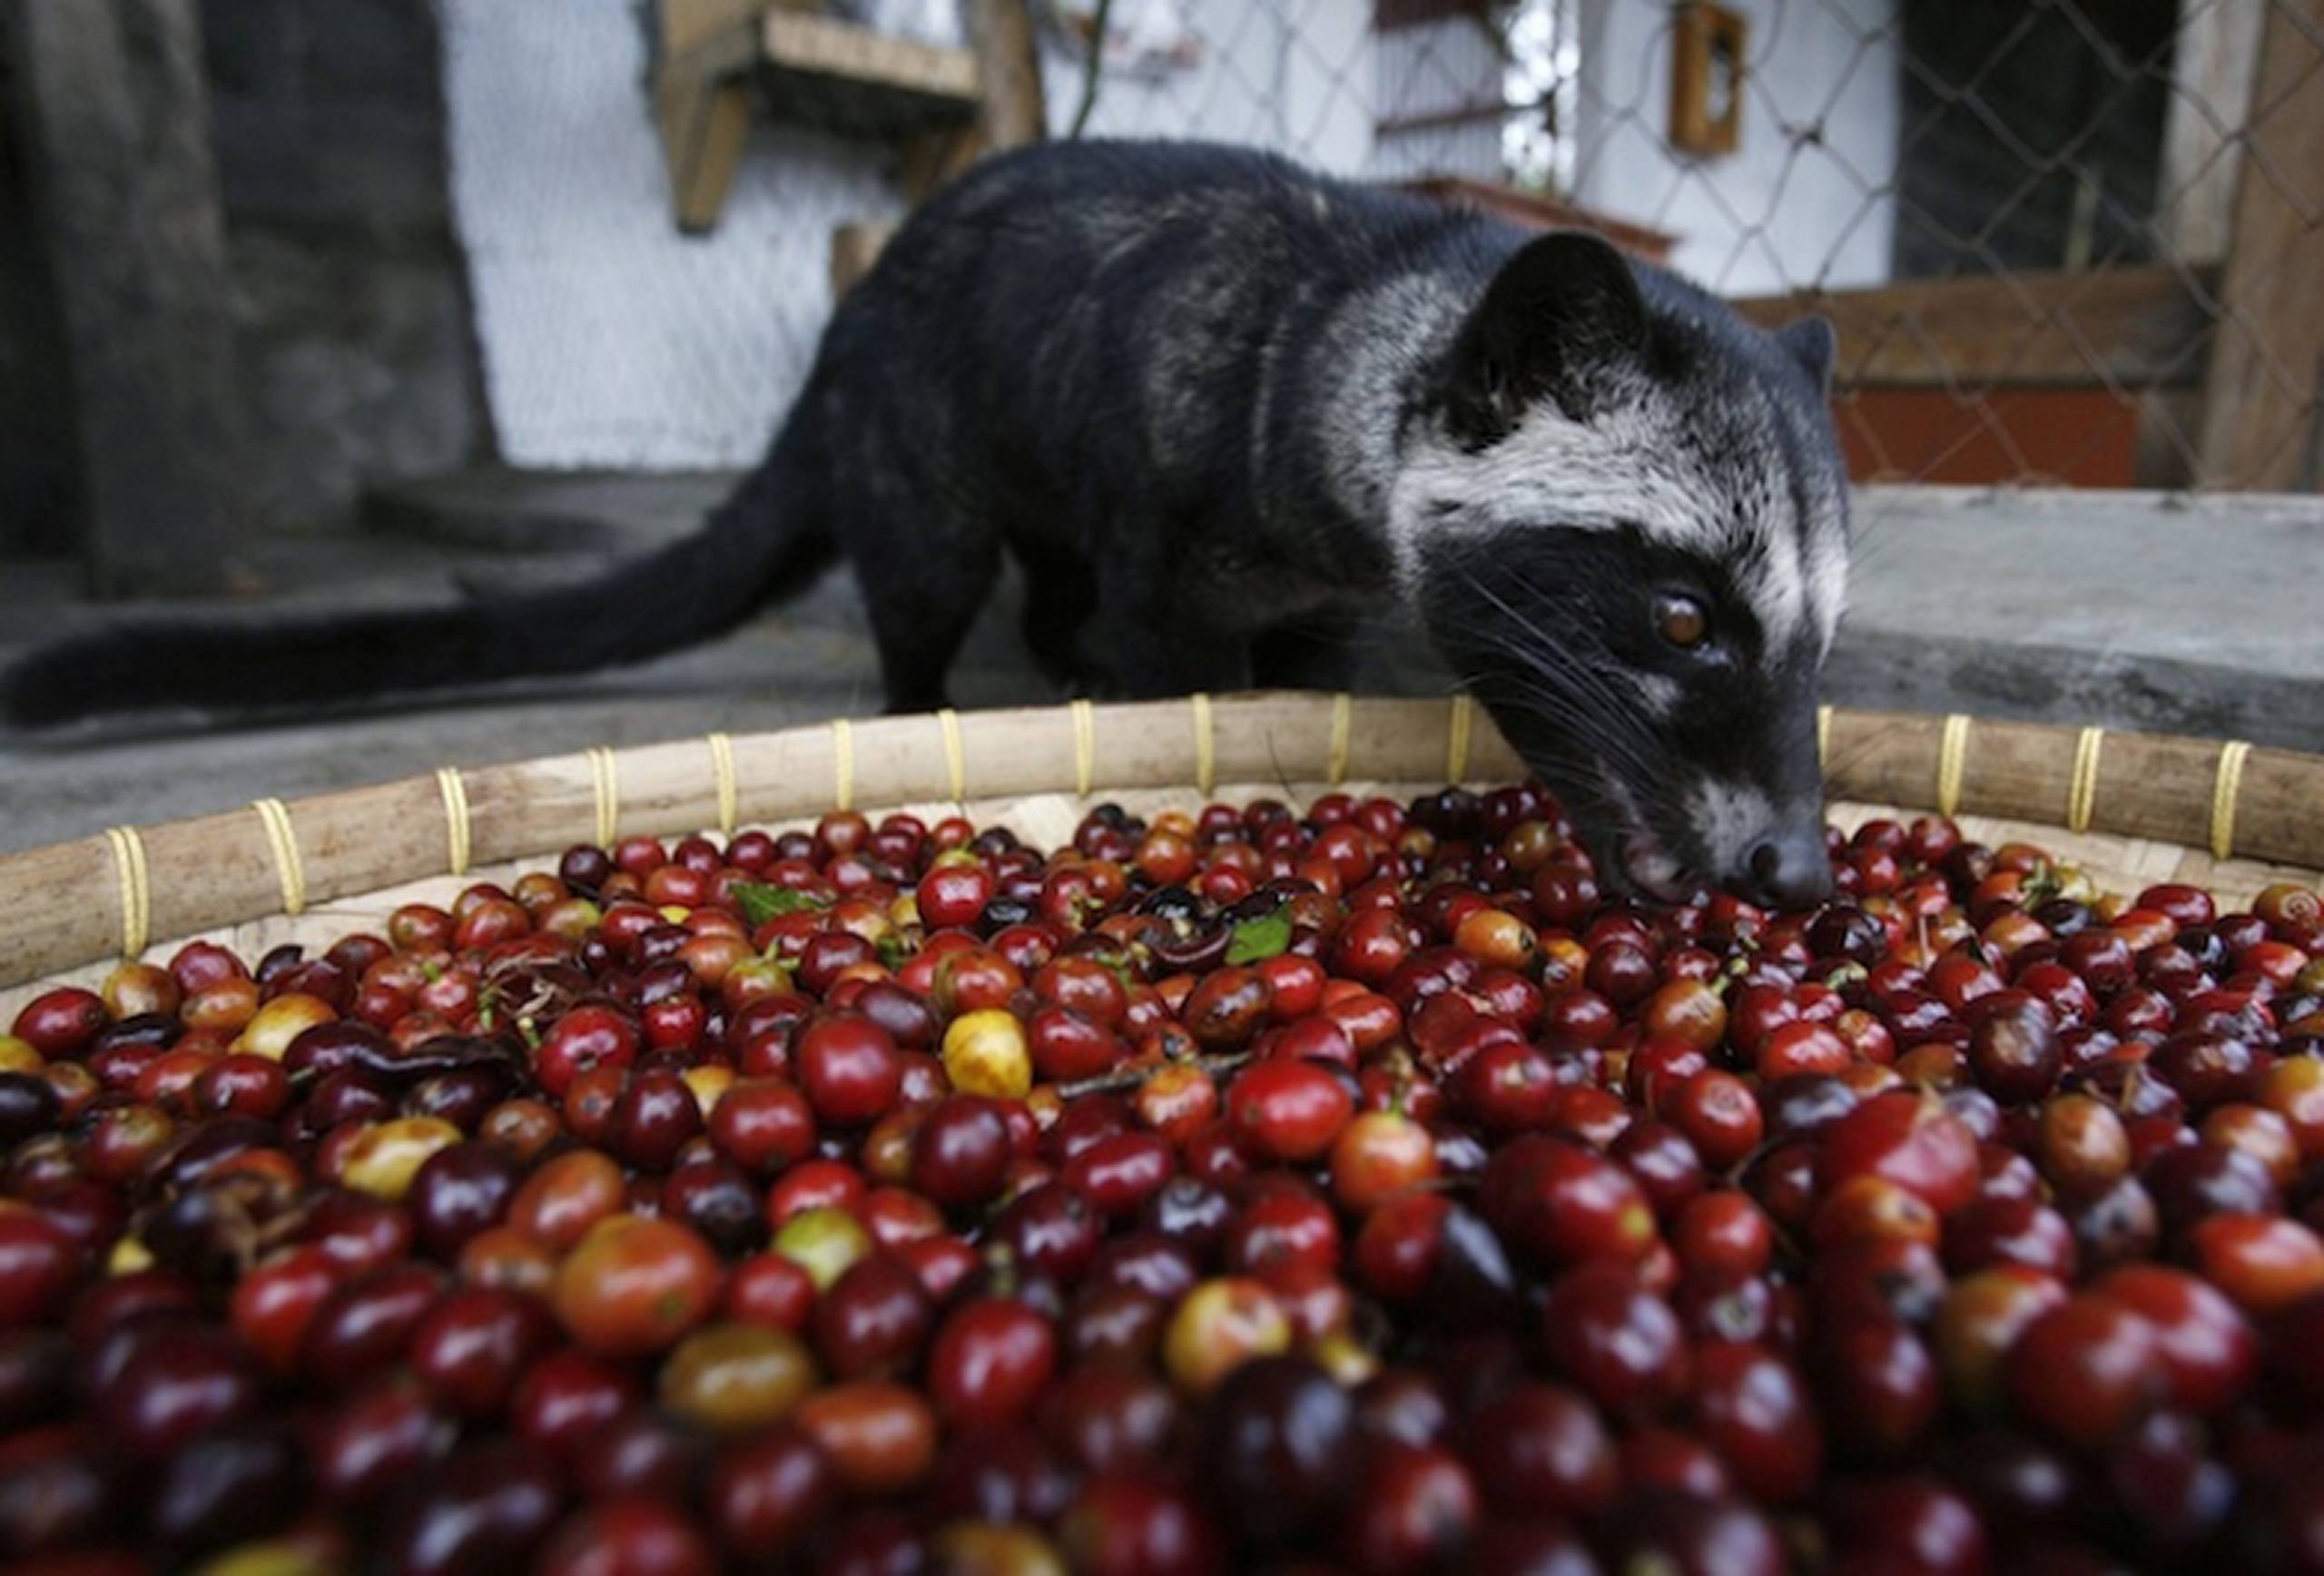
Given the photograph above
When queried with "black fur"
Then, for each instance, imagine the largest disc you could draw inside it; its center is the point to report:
(1177, 383)
(1097, 356)
(1745, 713)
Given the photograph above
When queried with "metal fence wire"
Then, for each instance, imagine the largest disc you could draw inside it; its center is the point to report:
(2063, 241)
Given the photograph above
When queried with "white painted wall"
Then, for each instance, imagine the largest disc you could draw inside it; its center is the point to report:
(610, 339)
(1778, 213)
(1432, 69)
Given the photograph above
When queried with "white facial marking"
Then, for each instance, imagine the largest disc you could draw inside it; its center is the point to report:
(1659, 692)
(1722, 494)
(1729, 817)
(1824, 544)
(1617, 469)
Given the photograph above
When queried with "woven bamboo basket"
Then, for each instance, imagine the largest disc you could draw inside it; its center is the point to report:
(2130, 809)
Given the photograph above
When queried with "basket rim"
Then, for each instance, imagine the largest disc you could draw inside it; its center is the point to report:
(131, 888)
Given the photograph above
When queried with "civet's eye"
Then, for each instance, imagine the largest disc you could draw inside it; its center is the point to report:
(1681, 620)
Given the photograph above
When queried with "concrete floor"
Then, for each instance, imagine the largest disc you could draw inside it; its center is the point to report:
(2134, 611)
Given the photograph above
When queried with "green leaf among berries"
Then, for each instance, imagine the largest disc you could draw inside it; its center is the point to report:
(1257, 940)
(761, 903)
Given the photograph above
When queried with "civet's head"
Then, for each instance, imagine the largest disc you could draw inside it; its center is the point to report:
(1623, 515)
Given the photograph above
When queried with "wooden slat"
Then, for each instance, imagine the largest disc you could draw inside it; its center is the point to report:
(801, 42)
(2261, 396)
(2139, 327)
(819, 71)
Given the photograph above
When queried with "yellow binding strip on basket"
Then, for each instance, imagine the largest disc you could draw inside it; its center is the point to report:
(287, 870)
(1456, 741)
(2225, 787)
(842, 763)
(722, 771)
(2082, 793)
(1952, 762)
(605, 781)
(1205, 758)
(1823, 737)
(1085, 746)
(456, 818)
(1343, 710)
(956, 769)
(136, 889)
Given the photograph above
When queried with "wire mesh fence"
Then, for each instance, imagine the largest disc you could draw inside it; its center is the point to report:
(2064, 241)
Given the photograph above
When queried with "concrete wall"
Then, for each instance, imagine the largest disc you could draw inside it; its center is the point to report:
(36, 461)
(351, 297)
(1783, 210)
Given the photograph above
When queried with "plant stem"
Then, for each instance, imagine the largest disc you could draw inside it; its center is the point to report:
(1094, 70)
(1130, 1077)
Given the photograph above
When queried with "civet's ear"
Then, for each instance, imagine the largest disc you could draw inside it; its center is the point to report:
(1562, 314)
(1815, 344)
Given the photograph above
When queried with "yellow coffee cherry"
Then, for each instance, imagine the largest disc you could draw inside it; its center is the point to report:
(738, 1378)
(985, 1053)
(825, 1243)
(1220, 1325)
(709, 1080)
(275, 1025)
(383, 1159)
(1347, 1360)
(284, 1556)
(996, 1548)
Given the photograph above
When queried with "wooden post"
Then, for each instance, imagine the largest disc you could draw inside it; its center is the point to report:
(116, 123)
(702, 102)
(855, 247)
(2261, 396)
(2212, 63)
(1008, 57)
(2213, 59)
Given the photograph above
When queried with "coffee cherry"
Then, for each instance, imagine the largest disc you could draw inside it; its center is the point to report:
(2086, 1369)
(985, 1053)
(972, 1211)
(634, 1284)
(1288, 1110)
(849, 1068)
(738, 1379)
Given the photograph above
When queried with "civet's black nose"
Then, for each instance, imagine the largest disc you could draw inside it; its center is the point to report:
(1789, 867)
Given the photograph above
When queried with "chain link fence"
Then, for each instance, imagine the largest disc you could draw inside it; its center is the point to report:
(2064, 241)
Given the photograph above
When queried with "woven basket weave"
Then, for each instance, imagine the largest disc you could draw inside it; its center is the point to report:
(2130, 809)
